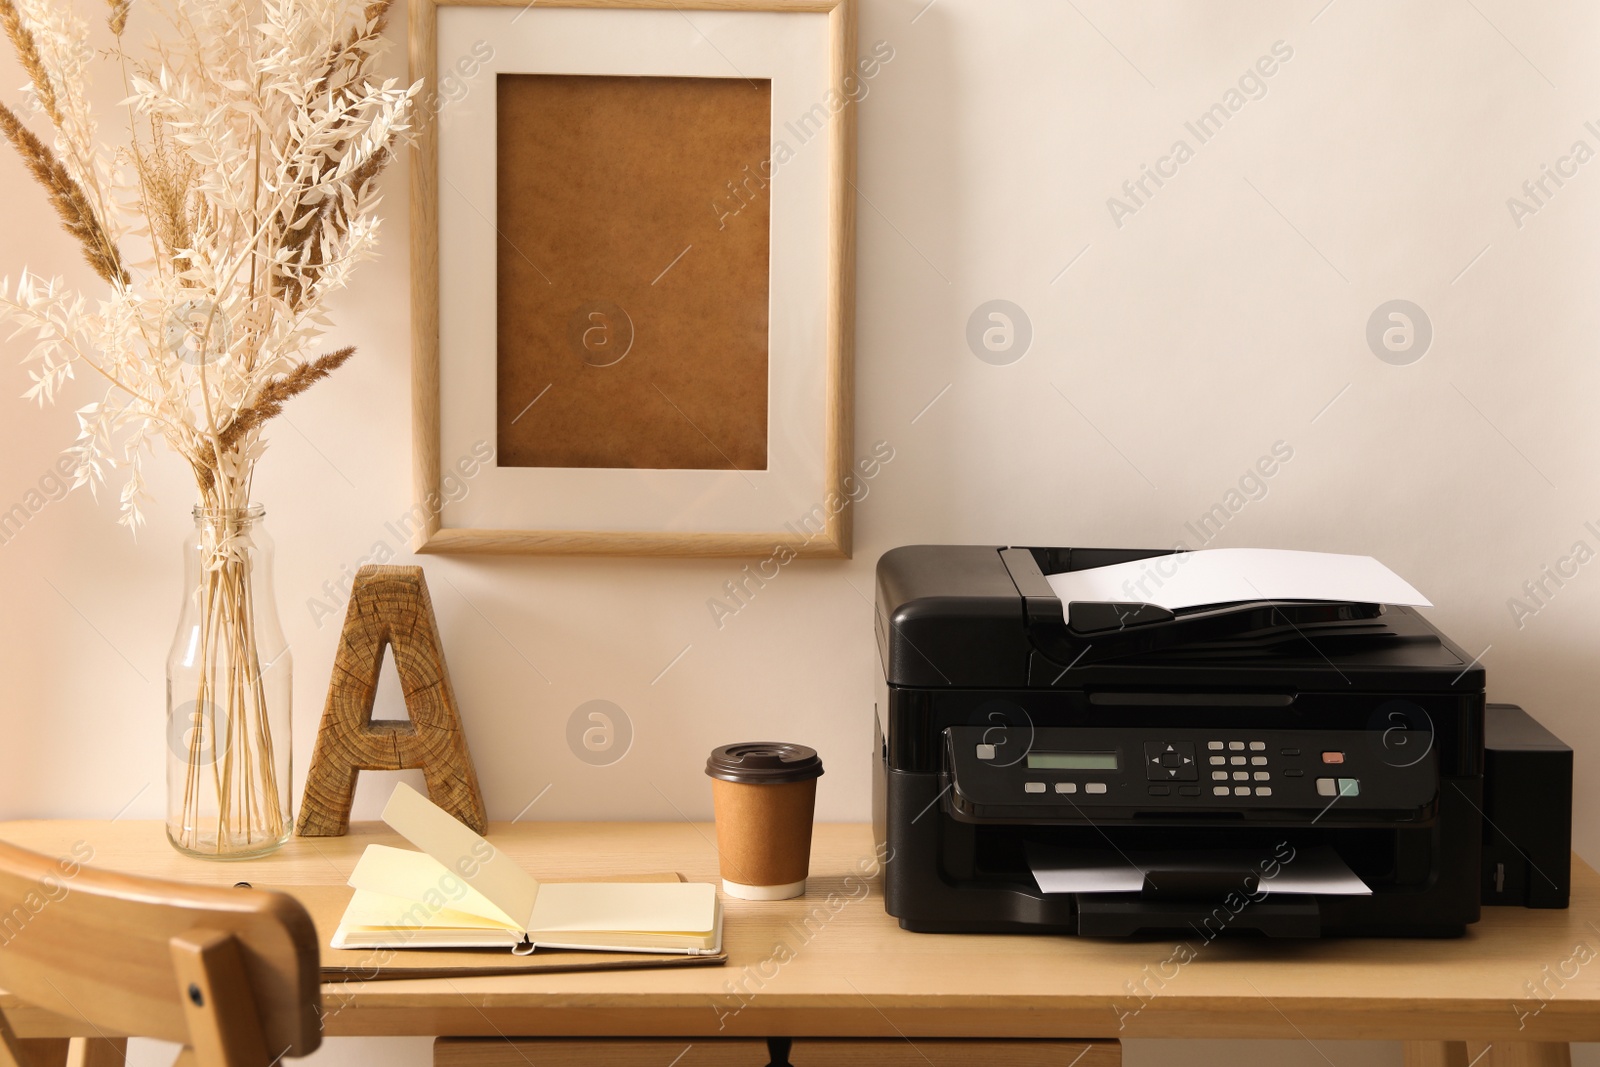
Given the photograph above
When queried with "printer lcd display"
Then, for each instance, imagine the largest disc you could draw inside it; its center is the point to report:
(1072, 761)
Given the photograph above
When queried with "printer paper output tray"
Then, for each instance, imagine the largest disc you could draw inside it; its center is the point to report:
(1279, 888)
(1130, 915)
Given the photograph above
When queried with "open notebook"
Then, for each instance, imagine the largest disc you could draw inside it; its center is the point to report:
(460, 892)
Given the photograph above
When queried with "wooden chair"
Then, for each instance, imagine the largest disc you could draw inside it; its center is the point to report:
(230, 974)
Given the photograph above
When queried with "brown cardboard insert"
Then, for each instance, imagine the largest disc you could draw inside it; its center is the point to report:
(633, 266)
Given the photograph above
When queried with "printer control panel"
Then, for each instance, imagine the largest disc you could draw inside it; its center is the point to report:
(1068, 774)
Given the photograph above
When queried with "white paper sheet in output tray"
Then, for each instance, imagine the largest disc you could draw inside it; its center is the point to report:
(1228, 575)
(1305, 870)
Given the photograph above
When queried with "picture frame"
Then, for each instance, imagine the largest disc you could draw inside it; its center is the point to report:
(799, 504)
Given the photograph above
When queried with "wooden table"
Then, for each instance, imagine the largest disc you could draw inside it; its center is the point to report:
(834, 964)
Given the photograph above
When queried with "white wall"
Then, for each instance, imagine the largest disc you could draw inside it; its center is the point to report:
(1222, 316)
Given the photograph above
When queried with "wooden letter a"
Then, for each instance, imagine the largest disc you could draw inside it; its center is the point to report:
(389, 608)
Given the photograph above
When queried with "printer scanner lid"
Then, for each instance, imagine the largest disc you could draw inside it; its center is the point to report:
(985, 615)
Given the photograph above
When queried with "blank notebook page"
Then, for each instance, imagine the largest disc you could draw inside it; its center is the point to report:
(663, 907)
(381, 911)
(414, 876)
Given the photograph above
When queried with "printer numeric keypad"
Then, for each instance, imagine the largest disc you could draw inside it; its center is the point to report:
(1234, 755)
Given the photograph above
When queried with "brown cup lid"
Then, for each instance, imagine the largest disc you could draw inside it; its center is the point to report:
(764, 763)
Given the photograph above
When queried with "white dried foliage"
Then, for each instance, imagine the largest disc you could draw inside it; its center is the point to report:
(241, 199)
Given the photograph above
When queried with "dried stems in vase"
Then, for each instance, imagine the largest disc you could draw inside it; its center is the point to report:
(236, 746)
(239, 201)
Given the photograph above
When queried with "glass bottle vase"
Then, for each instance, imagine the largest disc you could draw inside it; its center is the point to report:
(228, 695)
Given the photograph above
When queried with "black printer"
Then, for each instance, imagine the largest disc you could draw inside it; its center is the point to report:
(1008, 723)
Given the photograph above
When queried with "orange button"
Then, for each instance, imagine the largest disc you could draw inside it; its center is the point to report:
(1333, 757)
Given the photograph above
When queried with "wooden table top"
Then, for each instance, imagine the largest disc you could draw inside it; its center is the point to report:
(835, 964)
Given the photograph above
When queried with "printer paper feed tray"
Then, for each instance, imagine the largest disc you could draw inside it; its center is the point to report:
(1234, 575)
(1084, 632)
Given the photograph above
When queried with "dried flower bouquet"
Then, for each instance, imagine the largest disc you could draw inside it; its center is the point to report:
(240, 199)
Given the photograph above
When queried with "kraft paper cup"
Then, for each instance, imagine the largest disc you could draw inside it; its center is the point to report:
(765, 794)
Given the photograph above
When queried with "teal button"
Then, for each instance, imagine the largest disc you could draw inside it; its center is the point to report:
(1349, 787)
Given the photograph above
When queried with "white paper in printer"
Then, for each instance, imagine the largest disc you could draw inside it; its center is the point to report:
(1229, 575)
(1307, 870)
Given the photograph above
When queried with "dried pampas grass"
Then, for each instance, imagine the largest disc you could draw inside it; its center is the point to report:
(28, 56)
(268, 404)
(168, 179)
(66, 196)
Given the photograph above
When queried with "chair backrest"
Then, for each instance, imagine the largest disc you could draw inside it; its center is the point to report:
(232, 974)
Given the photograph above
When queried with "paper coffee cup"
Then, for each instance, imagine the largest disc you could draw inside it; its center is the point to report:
(765, 794)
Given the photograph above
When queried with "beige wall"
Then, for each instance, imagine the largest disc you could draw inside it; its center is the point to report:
(1226, 313)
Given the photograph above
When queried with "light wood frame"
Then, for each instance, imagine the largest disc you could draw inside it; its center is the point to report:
(835, 539)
